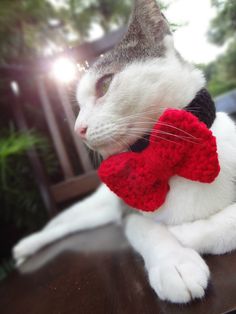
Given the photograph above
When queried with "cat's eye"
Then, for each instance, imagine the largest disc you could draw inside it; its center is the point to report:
(103, 85)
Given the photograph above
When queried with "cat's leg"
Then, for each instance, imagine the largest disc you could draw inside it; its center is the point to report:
(176, 273)
(100, 208)
(215, 235)
(103, 206)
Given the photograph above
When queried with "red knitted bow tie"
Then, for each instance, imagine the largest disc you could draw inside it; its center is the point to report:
(179, 145)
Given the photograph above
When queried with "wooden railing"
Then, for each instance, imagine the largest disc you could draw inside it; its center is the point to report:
(73, 183)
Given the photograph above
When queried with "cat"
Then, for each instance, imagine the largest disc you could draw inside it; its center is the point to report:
(121, 97)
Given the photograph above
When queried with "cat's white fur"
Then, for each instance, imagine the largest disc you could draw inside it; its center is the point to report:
(134, 93)
(195, 218)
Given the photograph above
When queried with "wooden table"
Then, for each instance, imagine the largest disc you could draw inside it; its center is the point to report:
(96, 272)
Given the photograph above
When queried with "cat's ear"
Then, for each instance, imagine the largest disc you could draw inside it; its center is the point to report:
(147, 20)
(144, 38)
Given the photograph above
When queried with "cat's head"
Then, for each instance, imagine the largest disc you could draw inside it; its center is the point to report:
(126, 90)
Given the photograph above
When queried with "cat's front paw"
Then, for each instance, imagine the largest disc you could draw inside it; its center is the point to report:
(24, 249)
(189, 235)
(180, 277)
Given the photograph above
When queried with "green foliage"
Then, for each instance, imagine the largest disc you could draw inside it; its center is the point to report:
(229, 61)
(20, 201)
(223, 31)
(30, 27)
(106, 13)
(223, 26)
(23, 26)
(221, 74)
(217, 88)
(217, 77)
(16, 144)
(22, 210)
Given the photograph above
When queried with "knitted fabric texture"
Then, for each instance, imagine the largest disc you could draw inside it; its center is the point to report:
(179, 145)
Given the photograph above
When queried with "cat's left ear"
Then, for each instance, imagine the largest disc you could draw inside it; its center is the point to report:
(148, 20)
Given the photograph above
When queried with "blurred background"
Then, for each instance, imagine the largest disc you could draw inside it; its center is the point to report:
(45, 46)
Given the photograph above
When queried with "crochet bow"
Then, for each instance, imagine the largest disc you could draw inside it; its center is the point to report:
(179, 145)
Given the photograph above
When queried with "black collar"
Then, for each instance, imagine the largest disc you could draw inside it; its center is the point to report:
(203, 107)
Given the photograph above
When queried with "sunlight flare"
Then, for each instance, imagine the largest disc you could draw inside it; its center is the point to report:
(64, 70)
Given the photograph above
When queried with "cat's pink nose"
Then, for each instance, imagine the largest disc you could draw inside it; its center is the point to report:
(82, 131)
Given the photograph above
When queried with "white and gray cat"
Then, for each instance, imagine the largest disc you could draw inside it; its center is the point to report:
(121, 97)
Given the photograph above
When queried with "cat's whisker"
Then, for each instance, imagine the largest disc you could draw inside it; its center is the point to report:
(189, 137)
(117, 142)
(151, 141)
(164, 124)
(155, 110)
(156, 135)
(140, 135)
(126, 145)
(178, 129)
(170, 134)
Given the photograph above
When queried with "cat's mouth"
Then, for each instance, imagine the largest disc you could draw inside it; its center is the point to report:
(140, 144)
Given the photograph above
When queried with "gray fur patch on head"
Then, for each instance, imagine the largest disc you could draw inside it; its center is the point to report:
(143, 40)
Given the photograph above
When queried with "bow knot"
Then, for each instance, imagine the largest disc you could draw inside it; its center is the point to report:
(179, 145)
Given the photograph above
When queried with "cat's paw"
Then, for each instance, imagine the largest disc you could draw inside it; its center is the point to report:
(180, 277)
(25, 248)
(189, 235)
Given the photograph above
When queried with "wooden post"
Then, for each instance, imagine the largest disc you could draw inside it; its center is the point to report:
(54, 130)
(39, 171)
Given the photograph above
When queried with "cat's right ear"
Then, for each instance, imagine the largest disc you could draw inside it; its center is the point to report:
(147, 20)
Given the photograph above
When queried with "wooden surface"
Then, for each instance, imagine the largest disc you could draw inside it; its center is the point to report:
(81, 184)
(97, 272)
